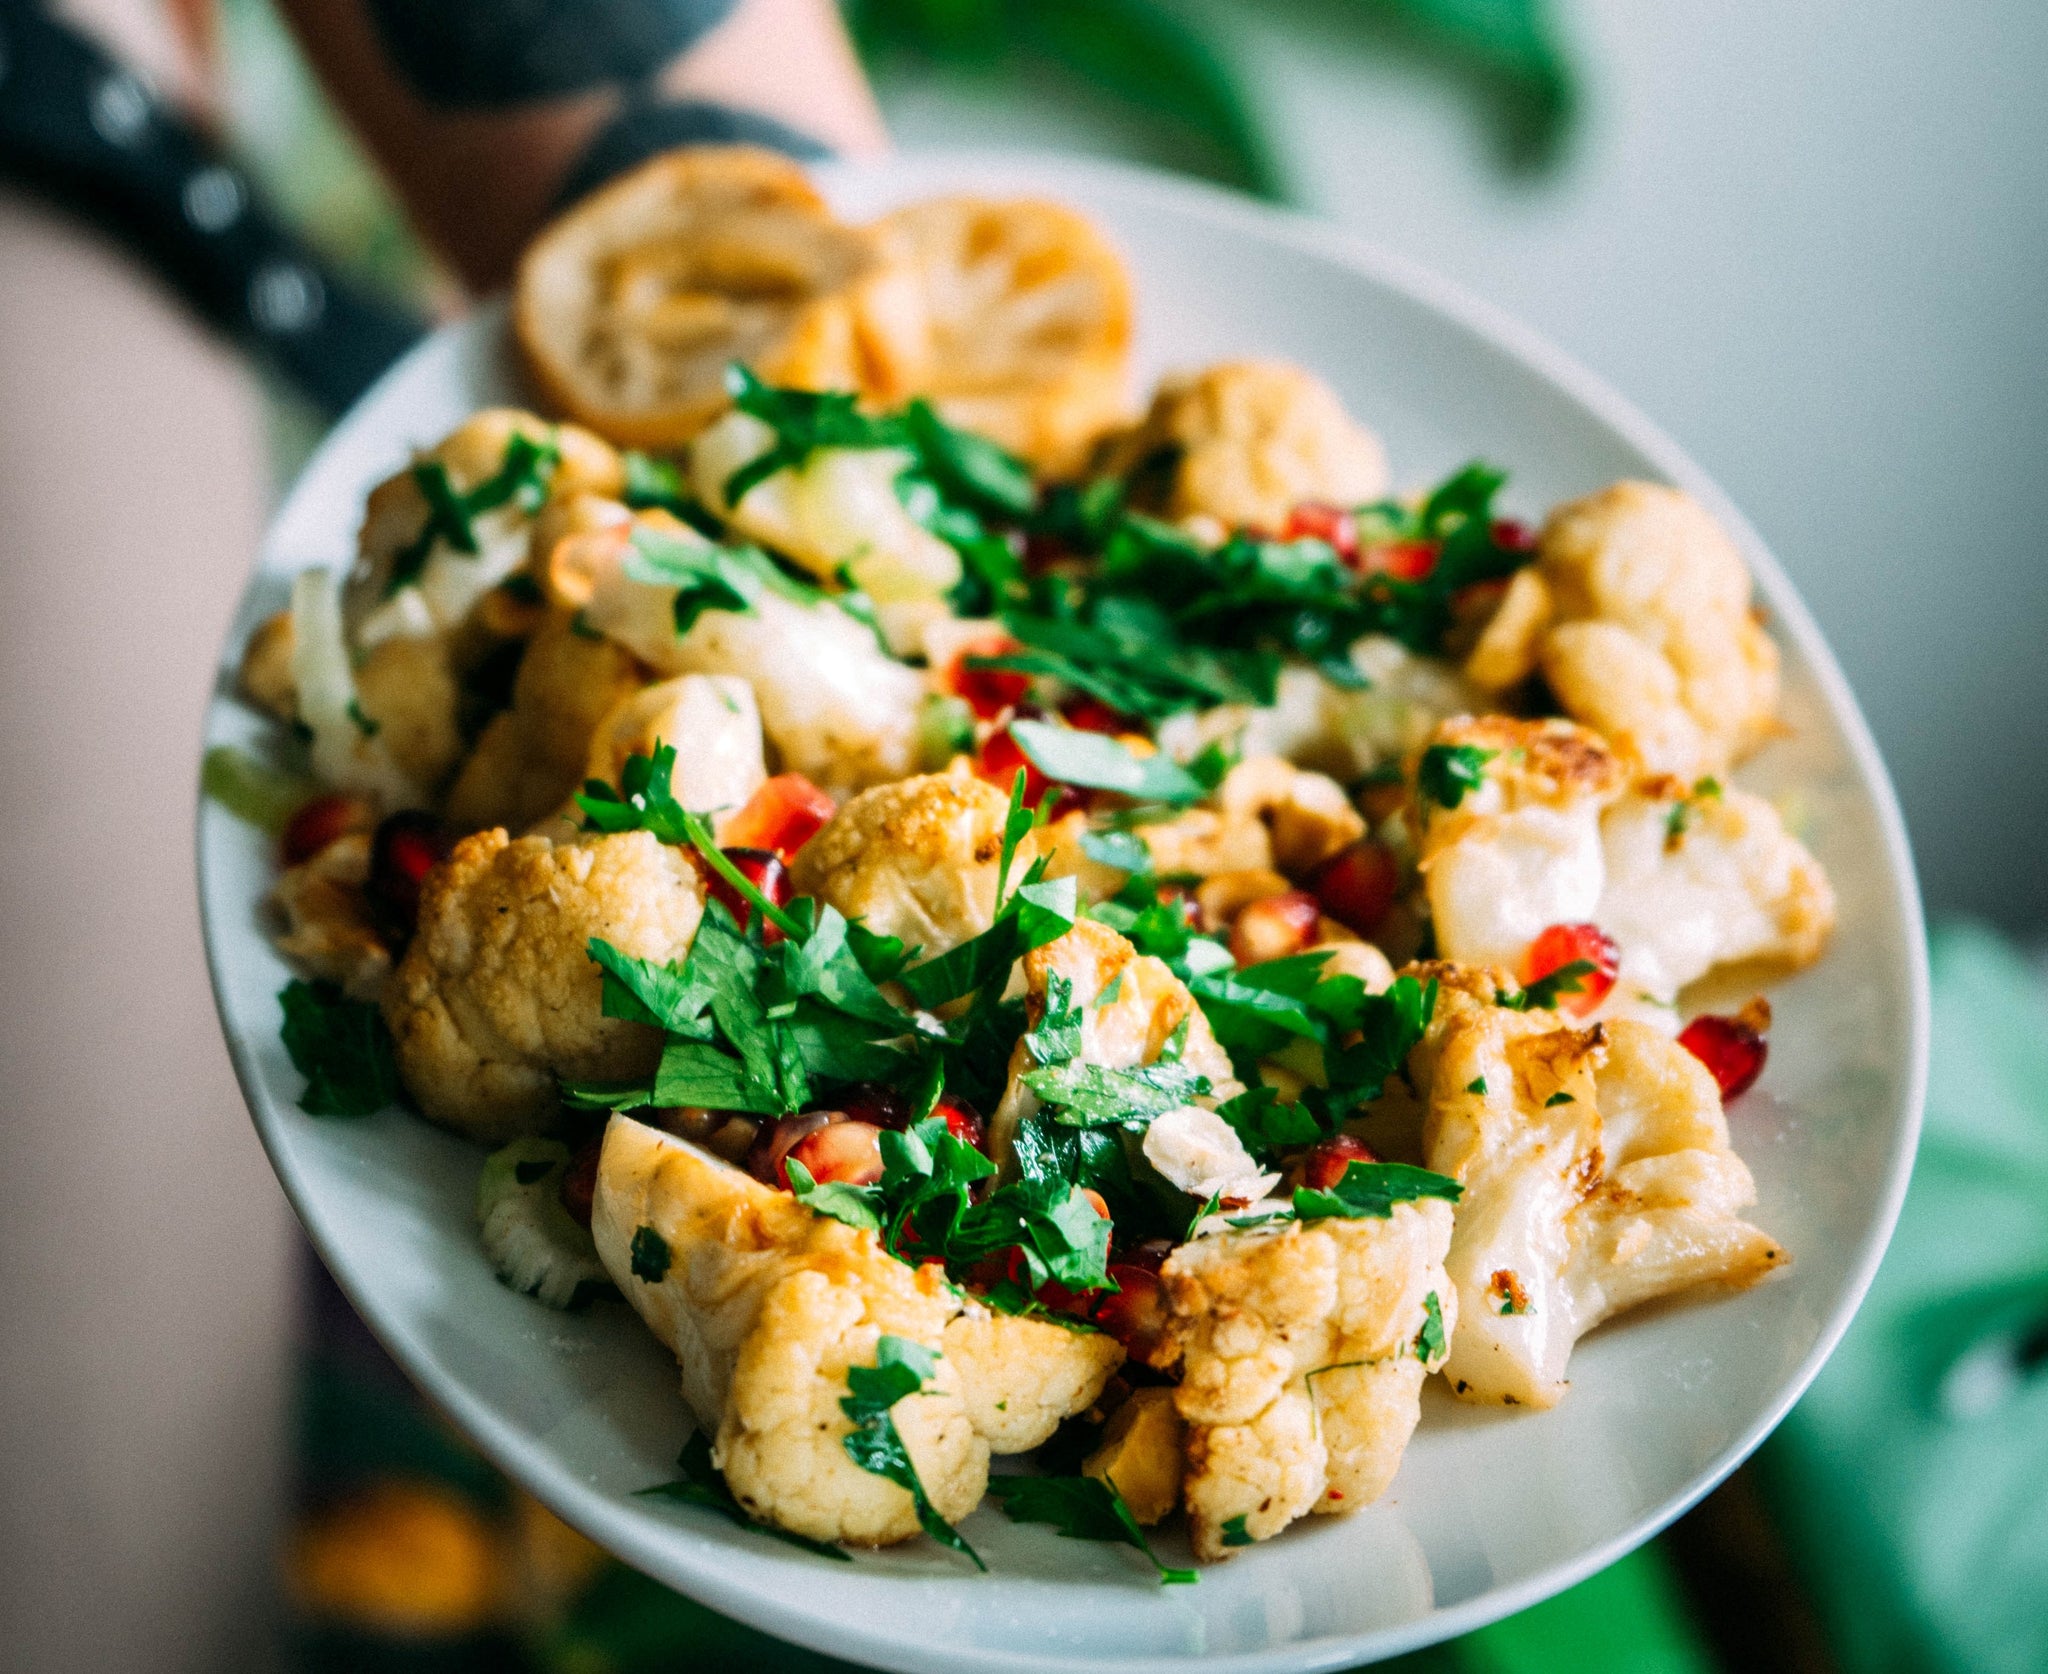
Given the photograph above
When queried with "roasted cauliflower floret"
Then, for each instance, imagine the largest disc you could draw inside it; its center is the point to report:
(1303, 1352)
(916, 859)
(1704, 877)
(446, 580)
(839, 510)
(1247, 441)
(497, 995)
(711, 722)
(1143, 1453)
(1022, 1378)
(1653, 640)
(408, 693)
(767, 1306)
(328, 927)
(529, 760)
(1520, 850)
(1597, 1175)
(1265, 814)
(834, 705)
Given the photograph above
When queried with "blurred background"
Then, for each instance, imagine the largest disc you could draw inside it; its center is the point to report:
(1811, 241)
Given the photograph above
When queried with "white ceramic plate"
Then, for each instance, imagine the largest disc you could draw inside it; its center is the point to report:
(1491, 1511)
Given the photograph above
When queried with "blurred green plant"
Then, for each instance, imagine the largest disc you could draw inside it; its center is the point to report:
(1167, 66)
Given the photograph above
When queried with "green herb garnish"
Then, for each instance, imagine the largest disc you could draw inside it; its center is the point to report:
(1081, 1508)
(902, 1369)
(341, 1047)
(1448, 771)
(702, 1484)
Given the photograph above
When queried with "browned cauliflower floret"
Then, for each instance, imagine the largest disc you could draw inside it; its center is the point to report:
(1143, 1453)
(408, 692)
(497, 995)
(266, 678)
(1303, 1355)
(1705, 877)
(916, 859)
(1247, 441)
(1597, 1175)
(448, 581)
(1022, 1378)
(1520, 851)
(767, 1306)
(1266, 813)
(531, 757)
(1646, 630)
(328, 927)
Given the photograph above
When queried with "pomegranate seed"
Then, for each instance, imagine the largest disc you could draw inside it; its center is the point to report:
(1327, 1160)
(876, 1103)
(1561, 945)
(846, 1153)
(407, 846)
(773, 1143)
(319, 822)
(1513, 535)
(1135, 1312)
(578, 1189)
(1087, 714)
(1275, 927)
(782, 816)
(962, 1123)
(1319, 521)
(1097, 1201)
(1401, 560)
(998, 763)
(1730, 1048)
(1357, 885)
(764, 871)
(988, 691)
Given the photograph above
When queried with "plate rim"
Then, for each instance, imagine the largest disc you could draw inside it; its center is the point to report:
(1049, 173)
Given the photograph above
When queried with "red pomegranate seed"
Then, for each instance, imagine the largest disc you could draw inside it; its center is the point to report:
(1563, 944)
(1086, 714)
(578, 1189)
(1357, 885)
(1316, 520)
(1402, 560)
(844, 1153)
(1730, 1048)
(1096, 1201)
(407, 846)
(780, 817)
(961, 1122)
(875, 1102)
(1135, 1312)
(1275, 927)
(764, 871)
(998, 763)
(1327, 1160)
(773, 1143)
(319, 822)
(1513, 535)
(988, 691)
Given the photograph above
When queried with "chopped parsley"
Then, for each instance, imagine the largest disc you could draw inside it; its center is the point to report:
(702, 1484)
(1081, 1508)
(1429, 1341)
(902, 1369)
(1557, 1099)
(363, 723)
(522, 478)
(1448, 771)
(650, 1253)
(1506, 1289)
(1096, 761)
(342, 1048)
(1372, 1191)
(1679, 819)
(710, 577)
(804, 422)
(1477, 1085)
(1542, 994)
(1234, 1531)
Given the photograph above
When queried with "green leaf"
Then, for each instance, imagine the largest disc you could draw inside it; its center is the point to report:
(1448, 771)
(1122, 849)
(341, 1047)
(804, 422)
(1429, 1341)
(902, 1369)
(1371, 1191)
(642, 991)
(1266, 1125)
(1234, 1531)
(858, 1206)
(701, 1484)
(650, 1255)
(1542, 994)
(1095, 761)
(523, 477)
(266, 797)
(1018, 823)
(704, 576)
(1057, 1039)
(968, 467)
(1080, 1508)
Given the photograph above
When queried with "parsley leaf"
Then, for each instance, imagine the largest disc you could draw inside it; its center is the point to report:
(524, 476)
(1081, 1508)
(341, 1047)
(804, 421)
(702, 1484)
(704, 576)
(1095, 761)
(1235, 1533)
(1448, 771)
(1541, 995)
(1429, 1341)
(650, 1253)
(1371, 1190)
(902, 1369)
(967, 467)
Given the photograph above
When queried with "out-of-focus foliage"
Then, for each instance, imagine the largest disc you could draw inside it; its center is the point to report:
(1156, 61)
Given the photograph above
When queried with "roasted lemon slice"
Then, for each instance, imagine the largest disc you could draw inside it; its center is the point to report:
(1016, 322)
(630, 307)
